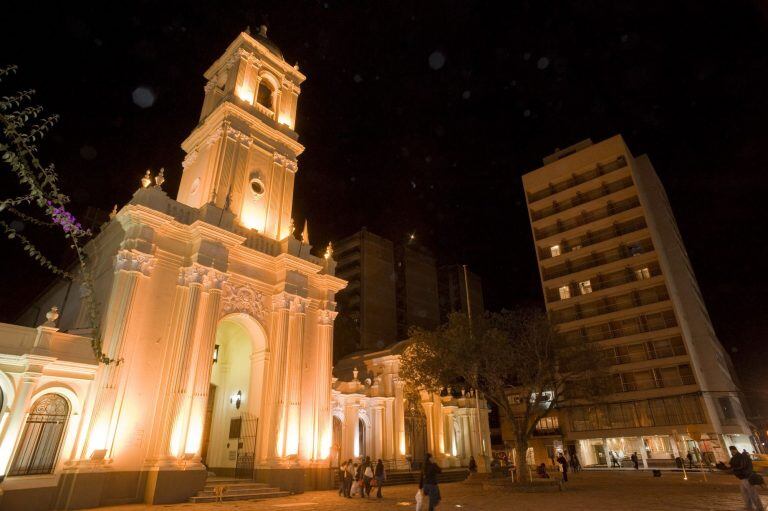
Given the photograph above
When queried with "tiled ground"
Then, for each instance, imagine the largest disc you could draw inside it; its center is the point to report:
(585, 491)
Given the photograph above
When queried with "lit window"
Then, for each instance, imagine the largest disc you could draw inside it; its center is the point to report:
(642, 274)
(555, 250)
(585, 287)
(565, 292)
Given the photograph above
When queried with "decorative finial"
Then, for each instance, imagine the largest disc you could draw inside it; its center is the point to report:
(355, 372)
(146, 180)
(296, 65)
(305, 233)
(329, 250)
(291, 227)
(263, 31)
(113, 213)
(160, 177)
(52, 315)
(248, 29)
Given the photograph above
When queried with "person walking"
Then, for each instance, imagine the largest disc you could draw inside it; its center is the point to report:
(349, 475)
(576, 464)
(381, 475)
(472, 464)
(342, 478)
(690, 459)
(564, 464)
(635, 460)
(614, 461)
(428, 481)
(742, 469)
(367, 476)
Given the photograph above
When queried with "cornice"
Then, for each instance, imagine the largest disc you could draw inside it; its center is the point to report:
(203, 230)
(226, 109)
(266, 55)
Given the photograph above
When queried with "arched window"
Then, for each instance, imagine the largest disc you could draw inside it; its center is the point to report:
(264, 94)
(40, 442)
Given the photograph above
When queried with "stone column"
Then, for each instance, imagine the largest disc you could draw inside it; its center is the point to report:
(323, 425)
(273, 396)
(399, 416)
(17, 416)
(378, 431)
(390, 446)
(291, 407)
(451, 449)
(641, 450)
(350, 428)
(130, 269)
(431, 430)
(467, 450)
(199, 381)
(182, 347)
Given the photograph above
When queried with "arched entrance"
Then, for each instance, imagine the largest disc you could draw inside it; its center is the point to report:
(43, 432)
(235, 399)
(415, 433)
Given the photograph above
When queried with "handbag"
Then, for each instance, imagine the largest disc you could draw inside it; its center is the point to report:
(755, 479)
(419, 499)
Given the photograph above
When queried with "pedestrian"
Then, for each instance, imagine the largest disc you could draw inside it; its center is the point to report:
(349, 477)
(690, 459)
(428, 481)
(614, 463)
(741, 465)
(357, 483)
(472, 464)
(367, 476)
(635, 461)
(381, 475)
(564, 464)
(576, 464)
(342, 476)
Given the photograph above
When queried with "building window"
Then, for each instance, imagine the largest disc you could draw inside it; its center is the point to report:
(575, 247)
(565, 292)
(264, 95)
(548, 426)
(642, 274)
(41, 439)
(555, 250)
(585, 287)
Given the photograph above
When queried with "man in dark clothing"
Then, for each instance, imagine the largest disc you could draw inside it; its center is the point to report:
(742, 469)
(380, 475)
(428, 481)
(564, 463)
(690, 459)
(635, 461)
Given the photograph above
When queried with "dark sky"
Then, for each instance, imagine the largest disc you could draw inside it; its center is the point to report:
(422, 116)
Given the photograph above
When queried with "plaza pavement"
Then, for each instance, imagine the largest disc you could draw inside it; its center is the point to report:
(604, 491)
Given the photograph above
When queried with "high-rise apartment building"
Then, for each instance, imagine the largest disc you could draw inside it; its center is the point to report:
(452, 284)
(615, 272)
(367, 263)
(417, 289)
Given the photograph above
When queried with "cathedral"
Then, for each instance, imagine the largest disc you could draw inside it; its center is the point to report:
(220, 318)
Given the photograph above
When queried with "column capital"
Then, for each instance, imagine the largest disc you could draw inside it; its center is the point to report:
(134, 261)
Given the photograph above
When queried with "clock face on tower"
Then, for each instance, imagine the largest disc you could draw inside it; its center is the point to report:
(242, 155)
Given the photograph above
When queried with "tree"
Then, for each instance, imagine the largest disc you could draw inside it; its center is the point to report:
(35, 197)
(514, 358)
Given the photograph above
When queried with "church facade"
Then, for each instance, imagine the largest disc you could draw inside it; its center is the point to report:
(221, 323)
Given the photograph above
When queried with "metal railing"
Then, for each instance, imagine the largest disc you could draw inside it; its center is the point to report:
(582, 198)
(577, 179)
(586, 218)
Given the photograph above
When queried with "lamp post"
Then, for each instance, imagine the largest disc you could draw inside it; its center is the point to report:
(477, 399)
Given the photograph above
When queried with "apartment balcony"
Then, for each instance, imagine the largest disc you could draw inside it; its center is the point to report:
(582, 198)
(587, 217)
(648, 273)
(557, 248)
(608, 305)
(653, 384)
(577, 179)
(616, 329)
(625, 250)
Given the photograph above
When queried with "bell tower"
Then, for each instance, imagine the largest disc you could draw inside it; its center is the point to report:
(242, 155)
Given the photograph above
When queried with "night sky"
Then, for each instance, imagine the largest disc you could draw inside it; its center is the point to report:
(422, 116)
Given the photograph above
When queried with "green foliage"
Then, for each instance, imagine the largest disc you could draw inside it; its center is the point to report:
(514, 358)
(23, 127)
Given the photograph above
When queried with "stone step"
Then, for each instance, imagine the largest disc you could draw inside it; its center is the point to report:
(239, 491)
(234, 486)
(244, 496)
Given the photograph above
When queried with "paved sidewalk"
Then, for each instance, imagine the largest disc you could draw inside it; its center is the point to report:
(586, 491)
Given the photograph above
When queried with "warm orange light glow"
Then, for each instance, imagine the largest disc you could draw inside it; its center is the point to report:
(325, 444)
(292, 435)
(245, 93)
(402, 443)
(284, 119)
(194, 436)
(98, 438)
(177, 439)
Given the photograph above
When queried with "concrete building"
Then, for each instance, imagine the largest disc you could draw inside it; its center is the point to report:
(366, 262)
(417, 289)
(219, 323)
(615, 272)
(452, 286)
